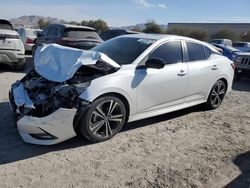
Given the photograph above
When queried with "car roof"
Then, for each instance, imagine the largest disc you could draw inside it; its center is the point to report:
(74, 26)
(160, 36)
(164, 37)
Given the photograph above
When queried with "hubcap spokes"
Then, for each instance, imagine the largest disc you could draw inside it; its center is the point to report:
(218, 94)
(106, 118)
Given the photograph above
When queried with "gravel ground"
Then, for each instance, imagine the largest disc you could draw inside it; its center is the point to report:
(188, 148)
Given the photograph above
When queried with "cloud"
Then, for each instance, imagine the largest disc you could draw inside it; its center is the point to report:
(161, 5)
(146, 4)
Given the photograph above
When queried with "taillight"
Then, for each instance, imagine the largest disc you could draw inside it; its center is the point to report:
(233, 66)
(65, 41)
(11, 36)
(29, 41)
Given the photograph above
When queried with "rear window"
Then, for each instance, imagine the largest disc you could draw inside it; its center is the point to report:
(31, 32)
(5, 25)
(239, 44)
(196, 52)
(81, 33)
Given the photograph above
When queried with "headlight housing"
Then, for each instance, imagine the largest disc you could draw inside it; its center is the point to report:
(238, 59)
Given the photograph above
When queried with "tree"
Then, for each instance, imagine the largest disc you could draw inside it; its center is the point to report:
(74, 23)
(152, 27)
(42, 24)
(198, 34)
(246, 36)
(99, 24)
(137, 29)
(226, 34)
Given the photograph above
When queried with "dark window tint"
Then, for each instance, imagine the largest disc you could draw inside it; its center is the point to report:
(53, 31)
(78, 33)
(208, 52)
(195, 52)
(170, 52)
(5, 25)
(239, 44)
(124, 50)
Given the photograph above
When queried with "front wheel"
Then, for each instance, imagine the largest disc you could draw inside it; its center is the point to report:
(104, 119)
(216, 95)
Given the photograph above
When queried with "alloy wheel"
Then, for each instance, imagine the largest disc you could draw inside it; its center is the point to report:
(106, 119)
(218, 93)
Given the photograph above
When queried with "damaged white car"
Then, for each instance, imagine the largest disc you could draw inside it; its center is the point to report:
(125, 79)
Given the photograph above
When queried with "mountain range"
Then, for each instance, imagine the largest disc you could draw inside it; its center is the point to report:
(32, 22)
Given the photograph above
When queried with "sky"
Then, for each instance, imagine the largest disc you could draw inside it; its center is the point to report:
(130, 12)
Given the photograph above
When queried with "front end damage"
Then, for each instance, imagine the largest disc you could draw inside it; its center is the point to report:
(46, 109)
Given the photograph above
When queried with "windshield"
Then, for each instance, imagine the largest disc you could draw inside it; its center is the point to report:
(124, 50)
(78, 33)
(31, 32)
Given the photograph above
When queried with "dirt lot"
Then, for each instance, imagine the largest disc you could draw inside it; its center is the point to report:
(188, 148)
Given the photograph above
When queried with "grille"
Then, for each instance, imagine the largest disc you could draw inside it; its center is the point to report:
(245, 61)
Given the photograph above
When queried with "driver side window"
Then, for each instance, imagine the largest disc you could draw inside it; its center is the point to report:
(170, 52)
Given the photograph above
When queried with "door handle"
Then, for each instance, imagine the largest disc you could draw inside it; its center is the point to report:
(181, 73)
(214, 67)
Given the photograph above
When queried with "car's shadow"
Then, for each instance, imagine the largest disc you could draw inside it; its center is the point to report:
(242, 161)
(242, 85)
(29, 65)
(12, 147)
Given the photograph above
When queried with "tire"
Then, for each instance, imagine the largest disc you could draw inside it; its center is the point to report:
(20, 67)
(104, 119)
(216, 95)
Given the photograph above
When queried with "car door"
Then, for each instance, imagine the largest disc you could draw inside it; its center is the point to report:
(160, 88)
(203, 71)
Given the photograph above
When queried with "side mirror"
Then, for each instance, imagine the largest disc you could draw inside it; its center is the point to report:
(155, 63)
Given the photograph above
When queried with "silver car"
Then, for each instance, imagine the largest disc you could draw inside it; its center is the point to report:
(125, 79)
(28, 37)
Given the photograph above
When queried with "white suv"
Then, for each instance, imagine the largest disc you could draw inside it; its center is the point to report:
(11, 47)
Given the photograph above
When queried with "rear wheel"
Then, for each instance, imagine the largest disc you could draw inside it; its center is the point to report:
(216, 95)
(104, 119)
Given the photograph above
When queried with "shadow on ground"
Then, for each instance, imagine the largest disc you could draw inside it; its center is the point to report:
(29, 65)
(242, 85)
(242, 161)
(12, 147)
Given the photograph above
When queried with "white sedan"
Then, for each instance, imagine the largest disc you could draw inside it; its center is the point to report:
(125, 79)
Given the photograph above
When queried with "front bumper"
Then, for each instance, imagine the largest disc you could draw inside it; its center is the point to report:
(11, 57)
(52, 129)
(242, 71)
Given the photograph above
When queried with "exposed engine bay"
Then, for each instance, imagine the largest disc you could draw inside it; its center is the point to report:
(45, 96)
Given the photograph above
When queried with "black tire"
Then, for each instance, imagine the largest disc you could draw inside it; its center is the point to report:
(104, 119)
(216, 95)
(20, 67)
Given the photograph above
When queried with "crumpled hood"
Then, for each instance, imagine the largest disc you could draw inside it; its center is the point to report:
(58, 63)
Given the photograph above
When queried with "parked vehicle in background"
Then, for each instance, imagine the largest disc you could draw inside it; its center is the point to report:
(228, 51)
(80, 37)
(242, 65)
(11, 47)
(112, 33)
(221, 41)
(127, 78)
(242, 46)
(28, 37)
